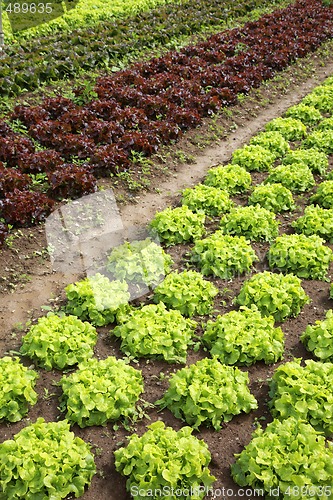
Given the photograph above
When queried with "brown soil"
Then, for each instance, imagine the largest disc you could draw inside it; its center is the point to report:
(28, 283)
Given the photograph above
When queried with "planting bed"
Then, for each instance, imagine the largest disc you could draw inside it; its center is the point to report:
(48, 289)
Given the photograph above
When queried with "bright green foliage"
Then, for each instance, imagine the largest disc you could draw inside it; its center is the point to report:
(291, 129)
(254, 223)
(244, 337)
(16, 389)
(139, 262)
(211, 200)
(277, 295)
(208, 392)
(223, 255)
(314, 159)
(321, 98)
(163, 458)
(304, 392)
(296, 177)
(325, 89)
(318, 338)
(100, 391)
(155, 332)
(326, 124)
(59, 342)
(178, 225)
(316, 220)
(329, 176)
(321, 140)
(253, 157)
(289, 457)
(88, 13)
(97, 299)
(273, 141)
(324, 194)
(45, 461)
(304, 256)
(307, 114)
(188, 292)
(273, 197)
(232, 178)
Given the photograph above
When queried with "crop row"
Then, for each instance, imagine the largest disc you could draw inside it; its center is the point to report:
(108, 45)
(139, 109)
(291, 454)
(85, 14)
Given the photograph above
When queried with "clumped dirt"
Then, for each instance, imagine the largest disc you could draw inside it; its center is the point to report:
(28, 283)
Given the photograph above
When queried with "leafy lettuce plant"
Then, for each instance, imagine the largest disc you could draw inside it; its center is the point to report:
(306, 113)
(321, 99)
(208, 392)
(304, 392)
(324, 194)
(297, 177)
(244, 337)
(163, 458)
(273, 197)
(318, 338)
(277, 295)
(314, 159)
(140, 262)
(290, 458)
(223, 255)
(291, 129)
(253, 222)
(232, 178)
(320, 139)
(155, 332)
(304, 256)
(97, 299)
(59, 342)
(211, 200)
(273, 141)
(188, 292)
(100, 391)
(178, 225)
(326, 124)
(45, 460)
(316, 220)
(253, 157)
(17, 392)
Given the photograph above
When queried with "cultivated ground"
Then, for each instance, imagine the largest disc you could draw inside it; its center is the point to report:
(28, 282)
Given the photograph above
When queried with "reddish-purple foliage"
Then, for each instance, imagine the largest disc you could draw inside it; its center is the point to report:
(109, 159)
(71, 181)
(14, 147)
(30, 115)
(23, 208)
(103, 132)
(10, 178)
(140, 142)
(41, 161)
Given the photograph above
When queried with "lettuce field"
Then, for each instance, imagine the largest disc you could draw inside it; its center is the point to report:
(166, 252)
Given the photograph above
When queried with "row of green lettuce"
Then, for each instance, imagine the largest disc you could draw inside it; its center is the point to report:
(291, 455)
(86, 13)
(113, 44)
